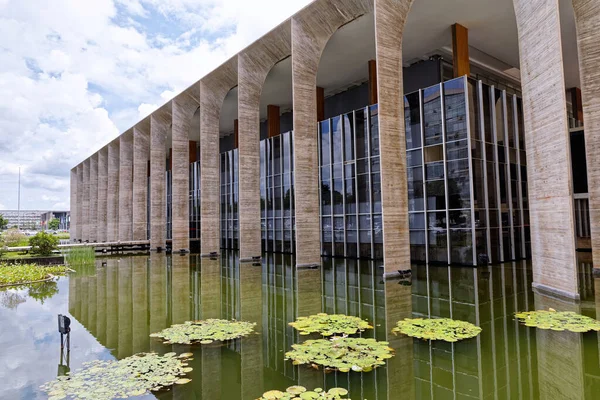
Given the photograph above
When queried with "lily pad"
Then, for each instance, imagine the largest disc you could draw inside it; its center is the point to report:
(445, 329)
(206, 331)
(327, 325)
(341, 353)
(558, 320)
(300, 392)
(129, 377)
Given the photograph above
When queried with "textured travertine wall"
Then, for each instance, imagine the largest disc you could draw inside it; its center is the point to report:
(126, 186)
(101, 220)
(93, 236)
(73, 202)
(311, 29)
(141, 155)
(587, 20)
(548, 146)
(159, 128)
(112, 196)
(183, 107)
(254, 64)
(390, 17)
(213, 89)
(85, 208)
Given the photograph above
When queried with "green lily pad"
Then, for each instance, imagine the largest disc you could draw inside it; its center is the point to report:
(341, 353)
(129, 377)
(558, 321)
(206, 331)
(445, 329)
(300, 392)
(327, 325)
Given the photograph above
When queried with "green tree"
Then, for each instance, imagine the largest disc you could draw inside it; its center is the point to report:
(43, 244)
(3, 222)
(54, 224)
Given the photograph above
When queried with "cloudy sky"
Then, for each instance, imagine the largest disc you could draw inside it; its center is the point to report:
(76, 73)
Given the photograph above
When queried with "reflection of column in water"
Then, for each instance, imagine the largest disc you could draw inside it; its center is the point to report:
(399, 369)
(92, 306)
(73, 294)
(309, 301)
(251, 346)
(181, 288)
(101, 304)
(158, 296)
(559, 355)
(112, 304)
(210, 302)
(83, 288)
(139, 288)
(125, 308)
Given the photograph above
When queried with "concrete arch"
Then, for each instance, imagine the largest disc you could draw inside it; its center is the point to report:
(160, 122)
(254, 64)
(141, 155)
(311, 29)
(213, 89)
(587, 21)
(183, 108)
(112, 196)
(551, 207)
(126, 186)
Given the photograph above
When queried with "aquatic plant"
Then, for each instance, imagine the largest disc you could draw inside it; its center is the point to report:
(129, 377)
(341, 353)
(18, 274)
(328, 325)
(445, 329)
(300, 392)
(558, 320)
(205, 331)
(80, 256)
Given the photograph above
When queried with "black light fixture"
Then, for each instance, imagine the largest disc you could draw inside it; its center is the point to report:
(64, 324)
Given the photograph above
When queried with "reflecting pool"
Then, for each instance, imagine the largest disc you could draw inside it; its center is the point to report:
(117, 304)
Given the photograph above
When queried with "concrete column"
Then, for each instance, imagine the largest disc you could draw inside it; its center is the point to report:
(73, 201)
(85, 209)
(159, 129)
(311, 30)
(587, 20)
(183, 107)
(126, 186)
(102, 193)
(141, 155)
(93, 232)
(79, 210)
(548, 147)
(390, 17)
(213, 89)
(112, 196)
(254, 64)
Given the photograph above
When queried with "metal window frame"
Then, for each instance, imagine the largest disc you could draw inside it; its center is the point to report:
(508, 177)
(444, 150)
(471, 183)
(492, 97)
(485, 171)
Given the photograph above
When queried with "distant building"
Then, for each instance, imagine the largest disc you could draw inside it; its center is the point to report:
(35, 219)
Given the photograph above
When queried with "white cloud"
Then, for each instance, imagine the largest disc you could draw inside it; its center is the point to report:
(76, 73)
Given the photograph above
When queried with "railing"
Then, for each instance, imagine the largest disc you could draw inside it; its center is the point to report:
(582, 215)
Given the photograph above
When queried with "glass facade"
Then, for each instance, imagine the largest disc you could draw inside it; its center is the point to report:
(277, 193)
(350, 195)
(229, 200)
(169, 178)
(194, 200)
(466, 168)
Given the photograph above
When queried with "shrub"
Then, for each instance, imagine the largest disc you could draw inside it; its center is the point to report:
(14, 238)
(2, 246)
(43, 244)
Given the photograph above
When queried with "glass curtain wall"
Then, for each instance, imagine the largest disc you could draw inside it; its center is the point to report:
(194, 200)
(229, 199)
(277, 193)
(466, 168)
(169, 177)
(351, 224)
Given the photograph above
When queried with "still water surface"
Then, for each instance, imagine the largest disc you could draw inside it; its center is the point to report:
(115, 306)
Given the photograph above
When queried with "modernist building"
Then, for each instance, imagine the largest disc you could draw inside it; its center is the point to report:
(35, 219)
(390, 130)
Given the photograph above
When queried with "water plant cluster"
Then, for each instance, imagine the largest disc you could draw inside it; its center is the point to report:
(327, 325)
(300, 392)
(445, 329)
(80, 256)
(129, 377)
(19, 274)
(205, 331)
(558, 321)
(344, 354)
